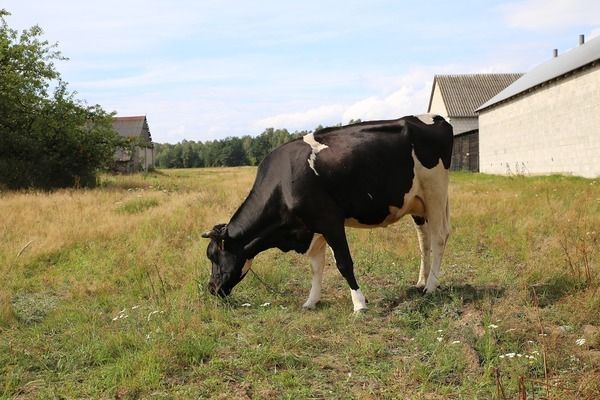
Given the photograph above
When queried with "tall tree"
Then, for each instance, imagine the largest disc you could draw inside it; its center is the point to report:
(46, 140)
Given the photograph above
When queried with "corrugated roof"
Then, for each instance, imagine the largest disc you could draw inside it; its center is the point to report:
(130, 126)
(577, 58)
(464, 93)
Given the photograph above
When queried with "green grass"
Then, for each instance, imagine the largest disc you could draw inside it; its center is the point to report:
(109, 298)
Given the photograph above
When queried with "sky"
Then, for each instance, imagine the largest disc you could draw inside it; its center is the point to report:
(203, 70)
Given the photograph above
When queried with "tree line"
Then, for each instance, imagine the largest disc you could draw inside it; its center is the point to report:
(228, 152)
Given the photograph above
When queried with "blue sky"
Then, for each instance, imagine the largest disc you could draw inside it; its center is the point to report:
(203, 70)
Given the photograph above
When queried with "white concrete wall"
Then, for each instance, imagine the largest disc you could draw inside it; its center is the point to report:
(554, 129)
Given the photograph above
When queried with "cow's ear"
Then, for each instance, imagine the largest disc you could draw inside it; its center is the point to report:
(218, 232)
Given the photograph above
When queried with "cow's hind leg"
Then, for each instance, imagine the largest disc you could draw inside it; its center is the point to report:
(316, 254)
(439, 230)
(422, 227)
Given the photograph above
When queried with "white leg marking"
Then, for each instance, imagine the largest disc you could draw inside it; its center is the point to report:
(316, 148)
(425, 246)
(316, 253)
(439, 231)
(358, 300)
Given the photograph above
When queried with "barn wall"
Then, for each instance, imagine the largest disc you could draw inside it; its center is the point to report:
(465, 152)
(554, 129)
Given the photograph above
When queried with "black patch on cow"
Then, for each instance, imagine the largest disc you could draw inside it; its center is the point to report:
(365, 169)
(419, 220)
(431, 142)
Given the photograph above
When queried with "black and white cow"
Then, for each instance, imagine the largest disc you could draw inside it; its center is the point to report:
(364, 175)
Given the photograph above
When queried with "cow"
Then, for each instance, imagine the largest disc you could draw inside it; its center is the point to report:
(364, 175)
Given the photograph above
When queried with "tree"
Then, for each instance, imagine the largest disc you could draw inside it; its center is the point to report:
(46, 141)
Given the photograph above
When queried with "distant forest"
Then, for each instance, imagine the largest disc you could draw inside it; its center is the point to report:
(228, 152)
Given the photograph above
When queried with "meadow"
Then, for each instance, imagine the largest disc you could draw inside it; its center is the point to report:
(103, 295)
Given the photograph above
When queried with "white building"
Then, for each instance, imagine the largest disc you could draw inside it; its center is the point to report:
(548, 121)
(456, 97)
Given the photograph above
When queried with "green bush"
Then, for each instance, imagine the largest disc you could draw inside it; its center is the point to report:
(46, 140)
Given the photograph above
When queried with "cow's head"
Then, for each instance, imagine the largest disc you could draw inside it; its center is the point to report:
(229, 264)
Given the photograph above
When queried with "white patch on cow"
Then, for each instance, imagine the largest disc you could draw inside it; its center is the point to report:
(358, 300)
(316, 253)
(247, 266)
(433, 184)
(316, 148)
(426, 118)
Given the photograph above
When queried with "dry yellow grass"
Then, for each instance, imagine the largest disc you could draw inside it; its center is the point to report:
(72, 261)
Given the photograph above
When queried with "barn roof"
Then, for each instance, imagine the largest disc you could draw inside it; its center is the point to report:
(132, 126)
(463, 93)
(555, 68)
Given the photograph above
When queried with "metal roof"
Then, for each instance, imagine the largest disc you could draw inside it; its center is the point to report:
(462, 94)
(131, 126)
(556, 67)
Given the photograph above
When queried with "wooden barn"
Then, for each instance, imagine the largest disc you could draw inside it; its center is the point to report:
(548, 121)
(139, 154)
(456, 97)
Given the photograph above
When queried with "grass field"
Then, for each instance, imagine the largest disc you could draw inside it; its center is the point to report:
(103, 295)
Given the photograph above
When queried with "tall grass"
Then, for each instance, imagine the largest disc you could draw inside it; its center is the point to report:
(103, 294)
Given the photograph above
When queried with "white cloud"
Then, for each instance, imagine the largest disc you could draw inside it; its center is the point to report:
(394, 97)
(552, 14)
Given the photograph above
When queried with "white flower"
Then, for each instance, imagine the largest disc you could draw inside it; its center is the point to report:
(456, 342)
(492, 326)
(151, 314)
(439, 338)
(265, 304)
(246, 305)
(580, 342)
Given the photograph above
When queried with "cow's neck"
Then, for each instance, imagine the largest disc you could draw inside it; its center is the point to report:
(259, 225)
(252, 225)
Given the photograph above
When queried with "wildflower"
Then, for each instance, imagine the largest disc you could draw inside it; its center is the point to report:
(265, 304)
(580, 342)
(492, 326)
(439, 338)
(152, 313)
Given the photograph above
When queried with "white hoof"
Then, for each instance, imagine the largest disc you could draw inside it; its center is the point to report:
(358, 300)
(430, 288)
(309, 305)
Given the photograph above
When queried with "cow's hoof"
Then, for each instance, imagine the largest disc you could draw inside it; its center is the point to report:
(309, 306)
(429, 289)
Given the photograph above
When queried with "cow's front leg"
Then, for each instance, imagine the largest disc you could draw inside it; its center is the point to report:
(337, 240)
(316, 254)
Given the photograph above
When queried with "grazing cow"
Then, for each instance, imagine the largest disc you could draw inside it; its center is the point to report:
(364, 175)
